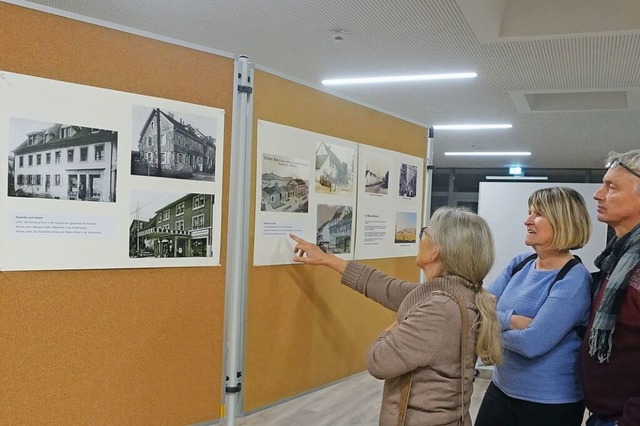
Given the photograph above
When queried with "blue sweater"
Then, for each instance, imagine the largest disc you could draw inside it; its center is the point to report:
(541, 361)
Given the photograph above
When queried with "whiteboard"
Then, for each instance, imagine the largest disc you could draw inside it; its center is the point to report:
(504, 206)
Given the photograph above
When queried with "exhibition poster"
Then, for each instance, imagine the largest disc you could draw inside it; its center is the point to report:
(389, 203)
(97, 178)
(306, 185)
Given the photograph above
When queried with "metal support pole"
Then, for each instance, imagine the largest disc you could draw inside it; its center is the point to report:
(238, 233)
(428, 178)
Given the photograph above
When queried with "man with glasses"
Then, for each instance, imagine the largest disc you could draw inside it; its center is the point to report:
(610, 353)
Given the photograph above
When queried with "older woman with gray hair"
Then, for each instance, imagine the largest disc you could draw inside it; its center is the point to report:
(427, 357)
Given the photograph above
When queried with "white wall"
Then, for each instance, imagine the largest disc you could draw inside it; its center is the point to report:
(504, 206)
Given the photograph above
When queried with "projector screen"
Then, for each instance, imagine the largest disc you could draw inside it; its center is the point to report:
(504, 206)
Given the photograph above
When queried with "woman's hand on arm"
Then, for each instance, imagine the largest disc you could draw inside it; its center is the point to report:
(494, 298)
(519, 322)
(309, 253)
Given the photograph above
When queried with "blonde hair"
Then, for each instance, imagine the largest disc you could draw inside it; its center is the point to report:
(567, 213)
(466, 250)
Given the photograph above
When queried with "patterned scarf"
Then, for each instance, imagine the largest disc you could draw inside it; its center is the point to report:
(617, 262)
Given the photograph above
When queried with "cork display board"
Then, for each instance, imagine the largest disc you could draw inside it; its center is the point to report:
(303, 329)
(145, 346)
(115, 346)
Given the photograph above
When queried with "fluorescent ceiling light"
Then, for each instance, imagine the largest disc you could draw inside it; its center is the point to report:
(516, 177)
(471, 126)
(397, 78)
(489, 153)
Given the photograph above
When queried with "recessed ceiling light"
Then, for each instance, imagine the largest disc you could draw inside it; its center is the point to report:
(397, 78)
(489, 153)
(471, 126)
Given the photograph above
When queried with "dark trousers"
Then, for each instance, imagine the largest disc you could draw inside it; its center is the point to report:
(499, 409)
(595, 420)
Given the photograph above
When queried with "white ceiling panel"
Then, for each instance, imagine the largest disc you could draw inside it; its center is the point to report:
(513, 49)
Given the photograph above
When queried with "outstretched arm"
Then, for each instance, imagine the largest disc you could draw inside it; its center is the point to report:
(310, 254)
(376, 285)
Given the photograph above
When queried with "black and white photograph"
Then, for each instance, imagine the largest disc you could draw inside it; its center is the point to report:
(168, 225)
(61, 161)
(285, 184)
(173, 144)
(334, 168)
(408, 180)
(334, 224)
(376, 176)
(406, 226)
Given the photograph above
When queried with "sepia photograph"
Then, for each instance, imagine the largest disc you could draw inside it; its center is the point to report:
(334, 168)
(170, 224)
(376, 176)
(408, 180)
(333, 232)
(285, 184)
(173, 144)
(61, 161)
(406, 225)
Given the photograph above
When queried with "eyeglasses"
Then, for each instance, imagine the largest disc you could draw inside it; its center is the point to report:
(423, 232)
(615, 163)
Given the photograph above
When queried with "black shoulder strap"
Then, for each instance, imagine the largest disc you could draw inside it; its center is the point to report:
(566, 268)
(523, 263)
(580, 329)
(561, 274)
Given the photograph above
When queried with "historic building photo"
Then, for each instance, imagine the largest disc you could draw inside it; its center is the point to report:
(179, 228)
(172, 147)
(61, 161)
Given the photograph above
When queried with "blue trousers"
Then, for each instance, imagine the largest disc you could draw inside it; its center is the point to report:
(497, 408)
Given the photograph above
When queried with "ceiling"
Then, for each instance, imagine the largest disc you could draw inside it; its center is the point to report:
(565, 73)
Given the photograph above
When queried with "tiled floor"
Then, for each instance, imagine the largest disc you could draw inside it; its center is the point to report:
(352, 402)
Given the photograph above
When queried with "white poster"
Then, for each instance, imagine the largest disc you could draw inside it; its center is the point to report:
(389, 204)
(98, 178)
(306, 185)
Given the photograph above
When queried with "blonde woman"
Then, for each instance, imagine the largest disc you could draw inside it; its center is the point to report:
(543, 301)
(423, 346)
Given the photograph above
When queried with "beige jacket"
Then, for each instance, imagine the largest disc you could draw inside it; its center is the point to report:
(426, 341)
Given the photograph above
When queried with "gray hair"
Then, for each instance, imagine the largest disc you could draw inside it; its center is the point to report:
(631, 159)
(465, 242)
